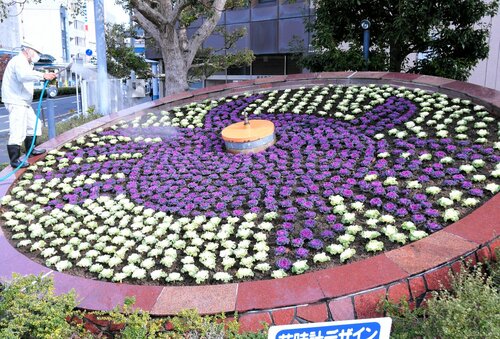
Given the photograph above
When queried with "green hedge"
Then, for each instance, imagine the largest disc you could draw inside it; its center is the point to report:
(60, 91)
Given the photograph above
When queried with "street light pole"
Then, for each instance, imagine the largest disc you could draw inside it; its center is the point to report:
(102, 69)
(365, 25)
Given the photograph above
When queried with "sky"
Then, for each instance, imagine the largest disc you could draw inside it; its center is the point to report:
(115, 13)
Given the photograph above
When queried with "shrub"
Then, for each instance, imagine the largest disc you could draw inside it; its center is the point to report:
(60, 91)
(468, 310)
(69, 124)
(29, 309)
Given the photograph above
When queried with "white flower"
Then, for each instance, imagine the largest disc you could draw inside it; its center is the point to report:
(370, 234)
(118, 277)
(408, 225)
(451, 215)
(413, 184)
(374, 246)
(222, 276)
(260, 256)
(339, 209)
(467, 168)
(228, 262)
(335, 249)
(372, 214)
(244, 233)
(370, 177)
(278, 274)
(446, 160)
(244, 272)
(48, 252)
(348, 218)
(398, 237)
(270, 216)
(358, 206)
(387, 218)
(416, 235)
(347, 254)
(470, 202)
(321, 257)
(353, 229)
(139, 273)
(336, 200)
(492, 187)
(106, 273)
(478, 177)
(250, 216)
(389, 230)
(263, 267)
(134, 257)
(96, 268)
(260, 236)
(148, 263)
(478, 163)
(433, 190)
(456, 195)
(174, 276)
(300, 266)
(63, 265)
(425, 156)
(201, 276)
(346, 239)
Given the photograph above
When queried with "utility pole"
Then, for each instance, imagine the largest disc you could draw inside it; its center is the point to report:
(102, 69)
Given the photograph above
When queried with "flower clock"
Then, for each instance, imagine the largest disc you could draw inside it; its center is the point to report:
(355, 170)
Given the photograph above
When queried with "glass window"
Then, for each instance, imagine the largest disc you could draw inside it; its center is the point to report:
(243, 70)
(269, 65)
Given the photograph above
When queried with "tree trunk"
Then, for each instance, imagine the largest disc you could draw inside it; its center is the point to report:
(175, 74)
(396, 58)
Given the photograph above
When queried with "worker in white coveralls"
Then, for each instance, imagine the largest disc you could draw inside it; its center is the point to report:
(17, 95)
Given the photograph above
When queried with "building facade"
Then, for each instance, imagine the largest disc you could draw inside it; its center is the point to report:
(271, 26)
(487, 71)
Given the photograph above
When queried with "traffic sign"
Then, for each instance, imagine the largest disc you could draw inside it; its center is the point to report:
(375, 328)
(88, 52)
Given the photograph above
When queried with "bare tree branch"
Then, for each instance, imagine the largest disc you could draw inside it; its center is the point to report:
(206, 29)
(147, 25)
(151, 14)
(166, 7)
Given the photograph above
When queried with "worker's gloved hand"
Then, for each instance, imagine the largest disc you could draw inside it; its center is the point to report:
(49, 76)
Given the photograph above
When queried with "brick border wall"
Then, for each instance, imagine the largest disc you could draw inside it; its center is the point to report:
(344, 292)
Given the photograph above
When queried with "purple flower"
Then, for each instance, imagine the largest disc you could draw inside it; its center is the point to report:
(418, 218)
(306, 233)
(338, 227)
(280, 250)
(315, 244)
(284, 264)
(297, 242)
(301, 252)
(477, 192)
(433, 226)
(432, 212)
(327, 234)
(282, 240)
(376, 202)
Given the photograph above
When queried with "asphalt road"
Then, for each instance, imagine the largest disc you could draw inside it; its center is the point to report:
(64, 108)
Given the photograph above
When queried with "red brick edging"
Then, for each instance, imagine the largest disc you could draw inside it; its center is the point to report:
(339, 293)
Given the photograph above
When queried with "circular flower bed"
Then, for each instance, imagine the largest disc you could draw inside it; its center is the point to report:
(355, 170)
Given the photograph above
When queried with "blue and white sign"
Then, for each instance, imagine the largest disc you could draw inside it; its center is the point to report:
(88, 52)
(375, 328)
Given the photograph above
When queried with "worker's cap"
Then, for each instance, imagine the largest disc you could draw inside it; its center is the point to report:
(27, 44)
